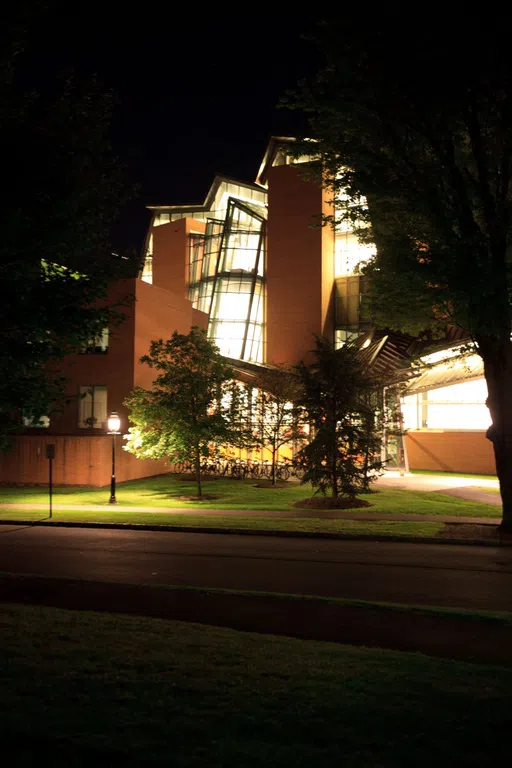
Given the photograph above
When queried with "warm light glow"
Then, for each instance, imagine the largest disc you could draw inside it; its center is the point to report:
(114, 422)
(147, 269)
(232, 306)
(458, 406)
(348, 253)
(447, 354)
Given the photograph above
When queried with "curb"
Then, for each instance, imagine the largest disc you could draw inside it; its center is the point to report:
(247, 532)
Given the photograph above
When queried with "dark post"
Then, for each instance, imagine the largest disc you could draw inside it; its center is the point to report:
(114, 423)
(113, 499)
(50, 455)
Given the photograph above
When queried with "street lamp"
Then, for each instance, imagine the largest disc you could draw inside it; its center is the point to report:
(114, 423)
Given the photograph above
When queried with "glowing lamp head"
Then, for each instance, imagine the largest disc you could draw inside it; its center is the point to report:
(114, 422)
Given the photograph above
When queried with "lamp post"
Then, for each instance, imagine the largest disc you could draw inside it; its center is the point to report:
(114, 423)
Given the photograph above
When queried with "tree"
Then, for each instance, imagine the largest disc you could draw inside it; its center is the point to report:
(275, 415)
(194, 403)
(419, 126)
(344, 436)
(64, 190)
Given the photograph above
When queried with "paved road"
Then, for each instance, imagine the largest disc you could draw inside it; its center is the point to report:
(464, 576)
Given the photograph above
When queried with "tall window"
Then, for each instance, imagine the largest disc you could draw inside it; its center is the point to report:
(238, 288)
(92, 406)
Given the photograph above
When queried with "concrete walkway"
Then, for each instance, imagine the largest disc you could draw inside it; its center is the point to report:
(413, 482)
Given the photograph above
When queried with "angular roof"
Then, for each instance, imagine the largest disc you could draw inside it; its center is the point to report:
(209, 200)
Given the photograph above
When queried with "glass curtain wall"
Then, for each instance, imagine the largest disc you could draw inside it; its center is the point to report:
(226, 280)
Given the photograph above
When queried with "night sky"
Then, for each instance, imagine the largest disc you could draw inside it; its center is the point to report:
(196, 90)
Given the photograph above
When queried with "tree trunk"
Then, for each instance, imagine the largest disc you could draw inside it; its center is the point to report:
(198, 473)
(497, 359)
(334, 465)
(274, 451)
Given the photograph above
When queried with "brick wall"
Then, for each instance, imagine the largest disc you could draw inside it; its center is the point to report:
(78, 461)
(451, 451)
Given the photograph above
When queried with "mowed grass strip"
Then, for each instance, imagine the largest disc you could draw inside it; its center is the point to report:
(231, 494)
(233, 522)
(129, 691)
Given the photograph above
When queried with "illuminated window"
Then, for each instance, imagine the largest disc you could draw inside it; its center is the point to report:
(147, 269)
(458, 406)
(349, 253)
(41, 422)
(195, 266)
(92, 406)
(211, 248)
(344, 336)
(231, 288)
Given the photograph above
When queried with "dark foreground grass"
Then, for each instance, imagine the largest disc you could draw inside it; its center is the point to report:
(231, 494)
(83, 688)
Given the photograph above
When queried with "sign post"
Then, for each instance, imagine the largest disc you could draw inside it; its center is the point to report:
(50, 455)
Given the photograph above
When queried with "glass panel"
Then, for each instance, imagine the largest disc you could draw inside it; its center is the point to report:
(231, 306)
(205, 294)
(458, 406)
(465, 392)
(211, 248)
(92, 406)
(43, 422)
(344, 336)
(196, 252)
(459, 416)
(147, 269)
(228, 336)
(349, 253)
(410, 412)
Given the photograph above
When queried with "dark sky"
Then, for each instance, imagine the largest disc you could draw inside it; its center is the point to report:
(197, 90)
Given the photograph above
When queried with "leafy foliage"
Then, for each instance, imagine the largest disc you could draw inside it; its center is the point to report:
(63, 192)
(420, 129)
(194, 406)
(416, 130)
(343, 454)
(275, 416)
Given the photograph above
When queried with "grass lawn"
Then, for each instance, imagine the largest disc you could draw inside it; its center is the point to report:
(166, 490)
(238, 522)
(85, 688)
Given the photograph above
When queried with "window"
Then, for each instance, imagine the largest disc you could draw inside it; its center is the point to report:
(41, 422)
(92, 407)
(344, 336)
(98, 345)
(349, 254)
(147, 270)
(147, 267)
(457, 406)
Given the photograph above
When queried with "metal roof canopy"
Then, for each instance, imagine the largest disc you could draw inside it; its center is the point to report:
(456, 370)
